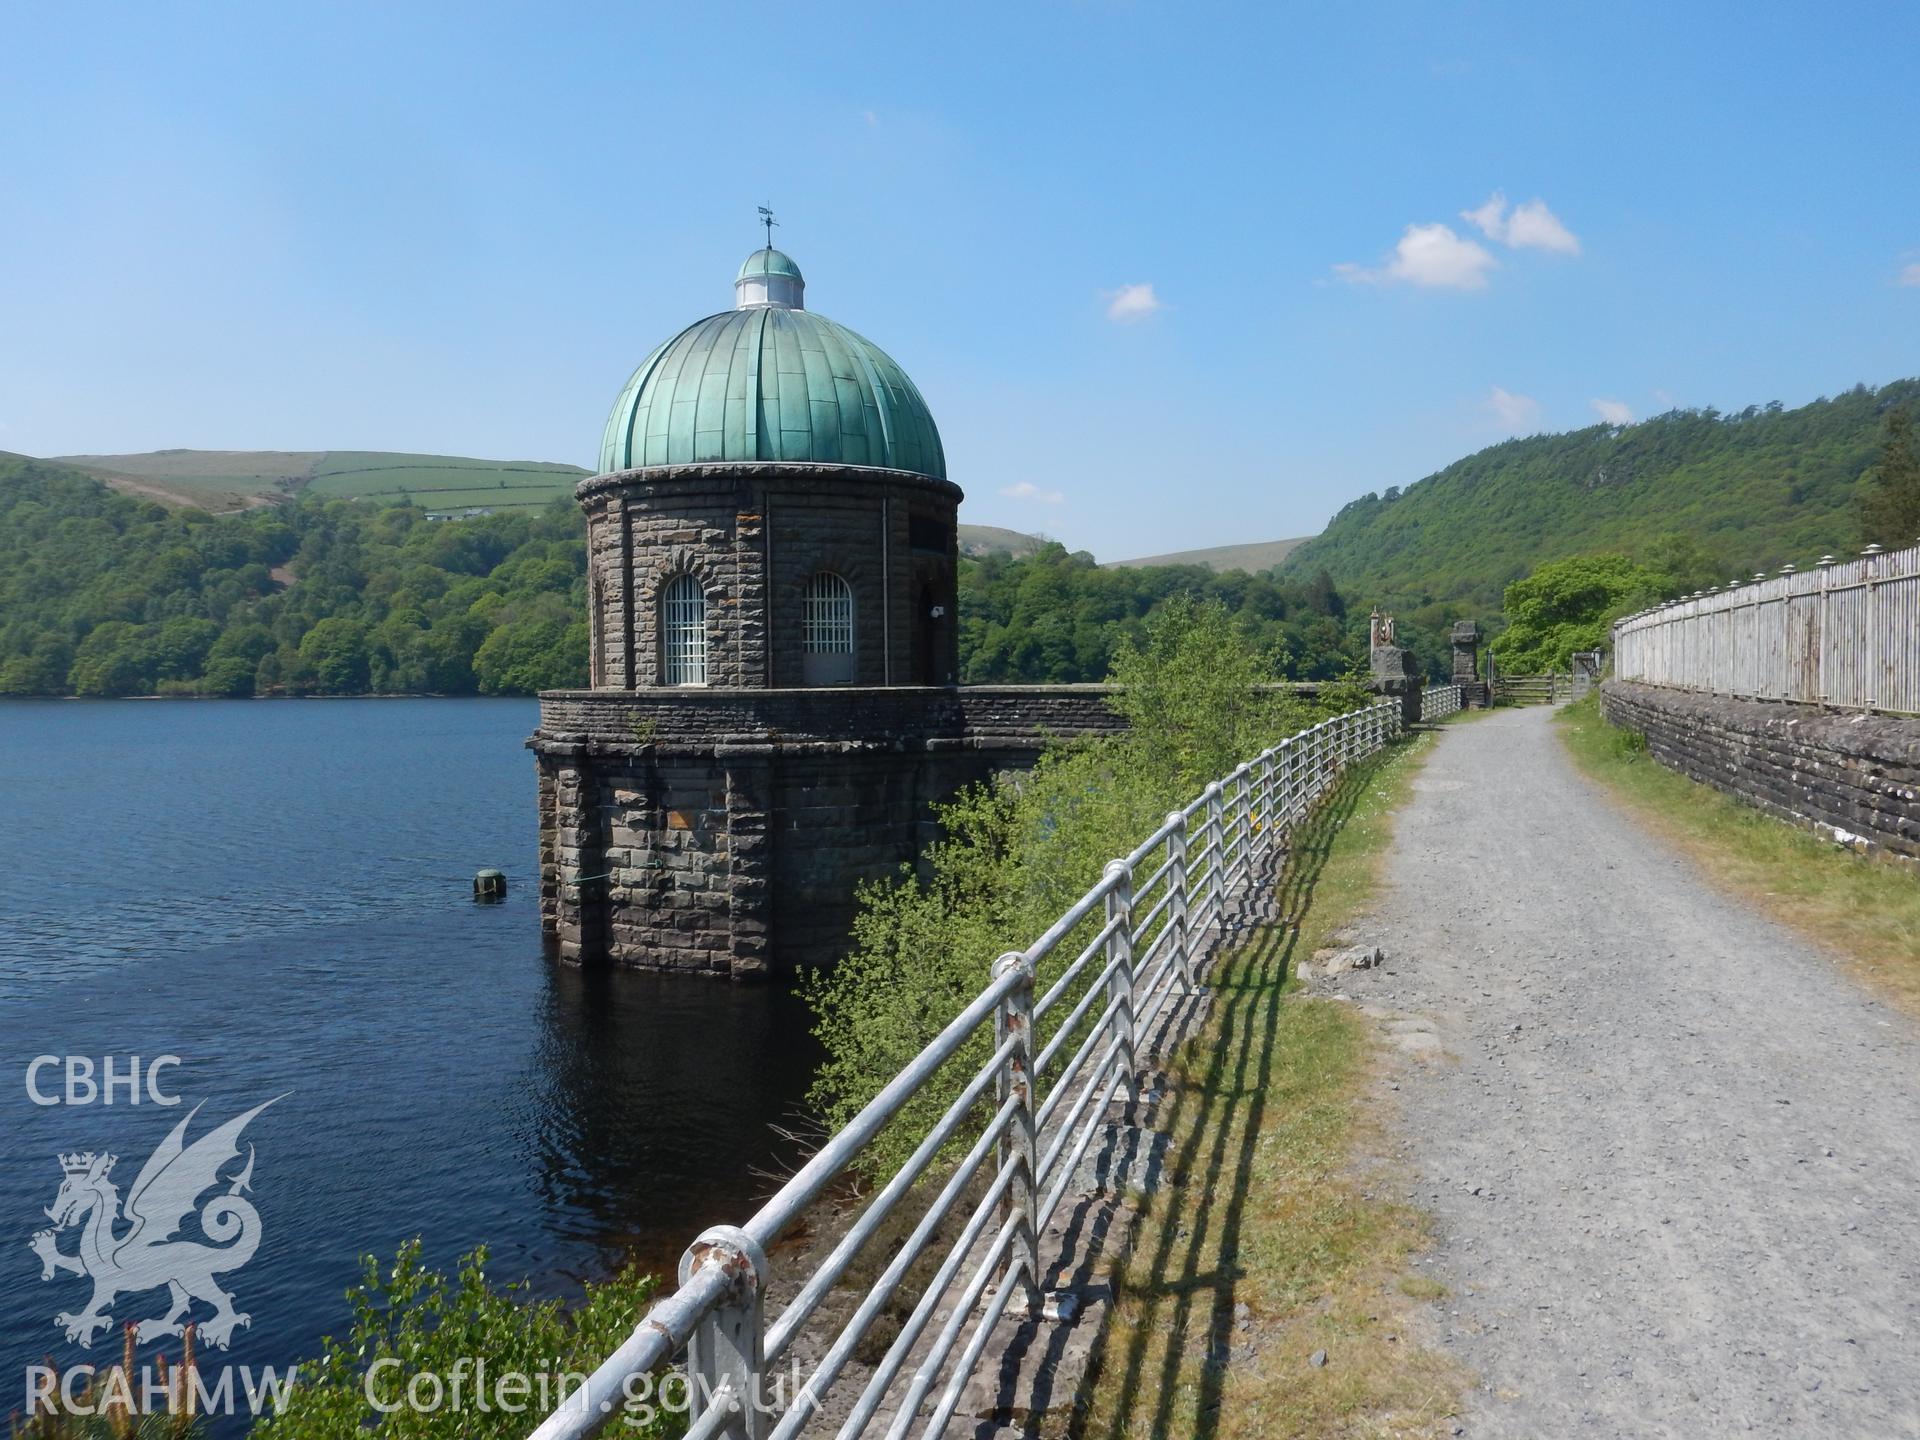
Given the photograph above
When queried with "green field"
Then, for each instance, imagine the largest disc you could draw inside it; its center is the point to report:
(978, 540)
(1221, 558)
(232, 479)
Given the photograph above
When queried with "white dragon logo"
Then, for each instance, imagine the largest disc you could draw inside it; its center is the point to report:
(147, 1256)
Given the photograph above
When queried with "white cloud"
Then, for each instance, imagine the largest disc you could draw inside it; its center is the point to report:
(1027, 490)
(1531, 226)
(1515, 414)
(870, 117)
(1491, 218)
(1910, 274)
(1433, 256)
(1614, 412)
(1131, 302)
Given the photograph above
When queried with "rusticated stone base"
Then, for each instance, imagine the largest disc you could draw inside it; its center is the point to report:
(1854, 778)
(727, 831)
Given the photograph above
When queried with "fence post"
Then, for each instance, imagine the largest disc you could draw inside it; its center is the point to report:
(1872, 554)
(725, 1356)
(1820, 646)
(1786, 632)
(1019, 1145)
(1216, 850)
(1120, 995)
(1177, 910)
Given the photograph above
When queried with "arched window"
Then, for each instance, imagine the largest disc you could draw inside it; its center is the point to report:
(683, 632)
(826, 630)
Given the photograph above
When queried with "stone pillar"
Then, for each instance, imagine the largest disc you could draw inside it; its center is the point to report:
(549, 824)
(1466, 663)
(749, 875)
(579, 862)
(1395, 673)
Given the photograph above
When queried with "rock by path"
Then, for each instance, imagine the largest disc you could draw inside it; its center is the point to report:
(1673, 1153)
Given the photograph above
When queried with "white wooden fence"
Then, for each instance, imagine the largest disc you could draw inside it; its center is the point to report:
(1844, 634)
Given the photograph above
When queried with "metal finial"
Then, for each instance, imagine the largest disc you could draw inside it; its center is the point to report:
(766, 219)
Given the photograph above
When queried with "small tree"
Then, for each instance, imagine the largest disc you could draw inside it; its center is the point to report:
(1568, 605)
(1891, 508)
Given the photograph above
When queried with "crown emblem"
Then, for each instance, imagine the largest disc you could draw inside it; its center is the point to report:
(82, 1164)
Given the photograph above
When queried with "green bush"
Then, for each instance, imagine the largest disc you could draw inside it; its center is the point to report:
(1019, 853)
(1569, 605)
(429, 1324)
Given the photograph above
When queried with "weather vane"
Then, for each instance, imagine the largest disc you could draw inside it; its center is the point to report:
(766, 219)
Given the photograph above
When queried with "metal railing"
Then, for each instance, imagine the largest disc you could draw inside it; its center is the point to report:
(1844, 634)
(1438, 701)
(1114, 962)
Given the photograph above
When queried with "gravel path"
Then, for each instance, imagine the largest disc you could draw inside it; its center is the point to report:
(1674, 1155)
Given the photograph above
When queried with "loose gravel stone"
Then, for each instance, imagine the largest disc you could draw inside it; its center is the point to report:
(1704, 1139)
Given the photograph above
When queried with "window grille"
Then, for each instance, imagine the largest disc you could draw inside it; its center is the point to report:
(826, 623)
(683, 632)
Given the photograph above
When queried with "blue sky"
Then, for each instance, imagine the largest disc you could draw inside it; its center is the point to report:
(1169, 275)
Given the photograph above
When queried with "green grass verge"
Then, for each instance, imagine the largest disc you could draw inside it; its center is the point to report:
(1864, 909)
(1271, 1200)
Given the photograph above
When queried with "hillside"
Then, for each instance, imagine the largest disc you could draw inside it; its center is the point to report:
(1221, 558)
(979, 540)
(106, 594)
(1754, 489)
(235, 479)
(109, 594)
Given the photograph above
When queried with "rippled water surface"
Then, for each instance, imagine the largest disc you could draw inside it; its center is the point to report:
(278, 893)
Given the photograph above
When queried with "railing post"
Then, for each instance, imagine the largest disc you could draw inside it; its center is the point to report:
(1177, 910)
(1267, 835)
(1019, 1145)
(1120, 996)
(1243, 803)
(1216, 850)
(725, 1356)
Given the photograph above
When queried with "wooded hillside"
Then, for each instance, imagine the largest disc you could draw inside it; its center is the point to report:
(1758, 488)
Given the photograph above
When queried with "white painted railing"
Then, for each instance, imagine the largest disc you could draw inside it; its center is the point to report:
(1137, 940)
(1438, 701)
(1844, 634)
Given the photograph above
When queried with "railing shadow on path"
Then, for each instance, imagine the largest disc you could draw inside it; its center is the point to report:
(1216, 1109)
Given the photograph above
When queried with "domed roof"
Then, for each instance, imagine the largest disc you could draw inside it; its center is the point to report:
(770, 381)
(768, 262)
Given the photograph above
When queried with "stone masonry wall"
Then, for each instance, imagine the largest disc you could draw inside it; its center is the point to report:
(1853, 777)
(754, 536)
(726, 831)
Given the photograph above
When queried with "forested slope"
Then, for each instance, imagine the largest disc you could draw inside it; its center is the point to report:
(102, 594)
(107, 594)
(1758, 488)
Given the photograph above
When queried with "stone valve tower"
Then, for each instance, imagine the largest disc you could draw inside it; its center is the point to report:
(772, 553)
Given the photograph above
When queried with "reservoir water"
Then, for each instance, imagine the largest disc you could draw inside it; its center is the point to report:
(278, 893)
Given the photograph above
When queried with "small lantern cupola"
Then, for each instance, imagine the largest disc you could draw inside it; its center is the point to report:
(769, 277)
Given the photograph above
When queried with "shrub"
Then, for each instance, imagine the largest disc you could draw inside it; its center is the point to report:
(1019, 852)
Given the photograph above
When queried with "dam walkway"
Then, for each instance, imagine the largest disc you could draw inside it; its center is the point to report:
(1672, 1151)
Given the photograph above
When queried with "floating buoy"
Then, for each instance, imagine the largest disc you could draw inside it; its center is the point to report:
(489, 885)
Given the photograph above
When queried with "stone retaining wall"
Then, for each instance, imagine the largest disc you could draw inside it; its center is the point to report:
(1854, 778)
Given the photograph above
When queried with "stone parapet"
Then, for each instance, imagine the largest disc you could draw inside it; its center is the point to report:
(1854, 778)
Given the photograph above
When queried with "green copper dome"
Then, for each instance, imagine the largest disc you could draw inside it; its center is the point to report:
(771, 381)
(768, 262)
